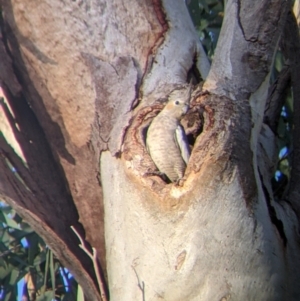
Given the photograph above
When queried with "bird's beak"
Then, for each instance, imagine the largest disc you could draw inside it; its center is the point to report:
(186, 108)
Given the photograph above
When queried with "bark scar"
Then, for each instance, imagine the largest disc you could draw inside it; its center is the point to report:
(180, 260)
(252, 40)
(272, 212)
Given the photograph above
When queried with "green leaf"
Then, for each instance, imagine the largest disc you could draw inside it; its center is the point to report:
(14, 277)
(41, 257)
(33, 244)
(10, 222)
(46, 267)
(285, 167)
(52, 272)
(278, 64)
(47, 296)
(80, 294)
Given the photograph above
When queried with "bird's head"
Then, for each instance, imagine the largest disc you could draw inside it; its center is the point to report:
(178, 102)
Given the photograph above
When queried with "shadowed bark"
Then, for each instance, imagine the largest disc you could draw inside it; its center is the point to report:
(291, 51)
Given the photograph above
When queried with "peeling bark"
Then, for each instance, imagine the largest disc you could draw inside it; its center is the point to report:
(276, 98)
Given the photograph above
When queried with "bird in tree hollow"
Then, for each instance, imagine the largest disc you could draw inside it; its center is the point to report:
(166, 139)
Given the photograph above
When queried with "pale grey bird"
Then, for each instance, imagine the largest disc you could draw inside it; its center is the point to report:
(166, 140)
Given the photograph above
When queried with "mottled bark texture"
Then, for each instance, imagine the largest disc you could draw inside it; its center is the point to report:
(83, 80)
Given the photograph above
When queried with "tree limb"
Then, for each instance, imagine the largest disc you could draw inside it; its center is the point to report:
(34, 207)
(291, 51)
(93, 257)
(276, 98)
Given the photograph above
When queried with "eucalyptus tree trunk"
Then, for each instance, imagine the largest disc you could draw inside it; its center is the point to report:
(82, 81)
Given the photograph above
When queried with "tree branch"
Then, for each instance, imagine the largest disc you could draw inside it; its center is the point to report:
(34, 207)
(248, 39)
(61, 165)
(39, 191)
(291, 51)
(276, 98)
(93, 257)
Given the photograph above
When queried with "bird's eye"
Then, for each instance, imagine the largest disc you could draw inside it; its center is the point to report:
(176, 102)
